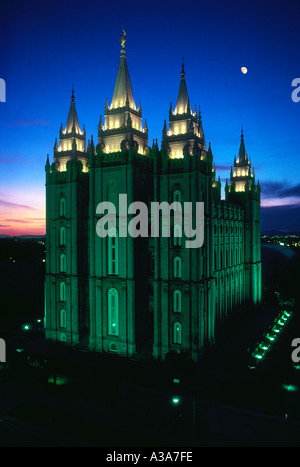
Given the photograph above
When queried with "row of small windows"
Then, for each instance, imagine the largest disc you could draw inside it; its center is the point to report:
(177, 197)
(235, 229)
(228, 257)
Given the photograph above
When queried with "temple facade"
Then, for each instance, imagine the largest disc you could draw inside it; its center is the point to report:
(124, 293)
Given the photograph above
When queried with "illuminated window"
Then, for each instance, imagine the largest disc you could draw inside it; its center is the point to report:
(113, 251)
(63, 318)
(113, 312)
(63, 263)
(62, 236)
(177, 301)
(62, 292)
(177, 333)
(62, 207)
(177, 267)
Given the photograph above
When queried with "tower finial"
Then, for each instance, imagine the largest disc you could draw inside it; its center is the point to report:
(242, 132)
(72, 97)
(123, 40)
(182, 74)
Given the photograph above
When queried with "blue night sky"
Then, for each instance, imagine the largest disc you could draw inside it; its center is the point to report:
(47, 46)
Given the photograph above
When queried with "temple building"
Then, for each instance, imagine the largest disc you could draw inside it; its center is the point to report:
(122, 294)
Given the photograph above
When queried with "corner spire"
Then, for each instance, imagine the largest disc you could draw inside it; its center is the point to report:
(72, 121)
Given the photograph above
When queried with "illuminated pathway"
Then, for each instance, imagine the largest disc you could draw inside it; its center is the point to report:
(270, 336)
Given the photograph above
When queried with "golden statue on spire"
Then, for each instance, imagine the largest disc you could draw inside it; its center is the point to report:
(123, 40)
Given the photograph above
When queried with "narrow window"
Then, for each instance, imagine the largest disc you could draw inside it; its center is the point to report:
(177, 267)
(113, 252)
(177, 333)
(177, 301)
(152, 263)
(62, 207)
(63, 263)
(62, 236)
(63, 318)
(62, 292)
(113, 312)
(177, 235)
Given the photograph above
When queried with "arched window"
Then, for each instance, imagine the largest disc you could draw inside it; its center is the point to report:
(177, 301)
(113, 251)
(177, 333)
(63, 318)
(177, 235)
(177, 196)
(62, 292)
(62, 207)
(62, 236)
(113, 312)
(177, 267)
(63, 263)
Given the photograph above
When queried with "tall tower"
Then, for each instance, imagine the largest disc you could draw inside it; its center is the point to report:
(123, 121)
(66, 235)
(182, 286)
(243, 190)
(72, 140)
(119, 165)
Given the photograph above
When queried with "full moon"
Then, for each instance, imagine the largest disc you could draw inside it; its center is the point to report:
(244, 70)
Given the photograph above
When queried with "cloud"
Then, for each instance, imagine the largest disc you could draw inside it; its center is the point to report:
(28, 220)
(8, 204)
(280, 190)
(16, 220)
(222, 168)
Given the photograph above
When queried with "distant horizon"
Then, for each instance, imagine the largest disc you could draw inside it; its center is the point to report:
(273, 219)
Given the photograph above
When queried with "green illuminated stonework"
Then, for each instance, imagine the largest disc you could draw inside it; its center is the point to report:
(126, 294)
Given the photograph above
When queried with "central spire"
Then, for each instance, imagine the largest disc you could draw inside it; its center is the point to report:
(122, 128)
(183, 101)
(123, 89)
